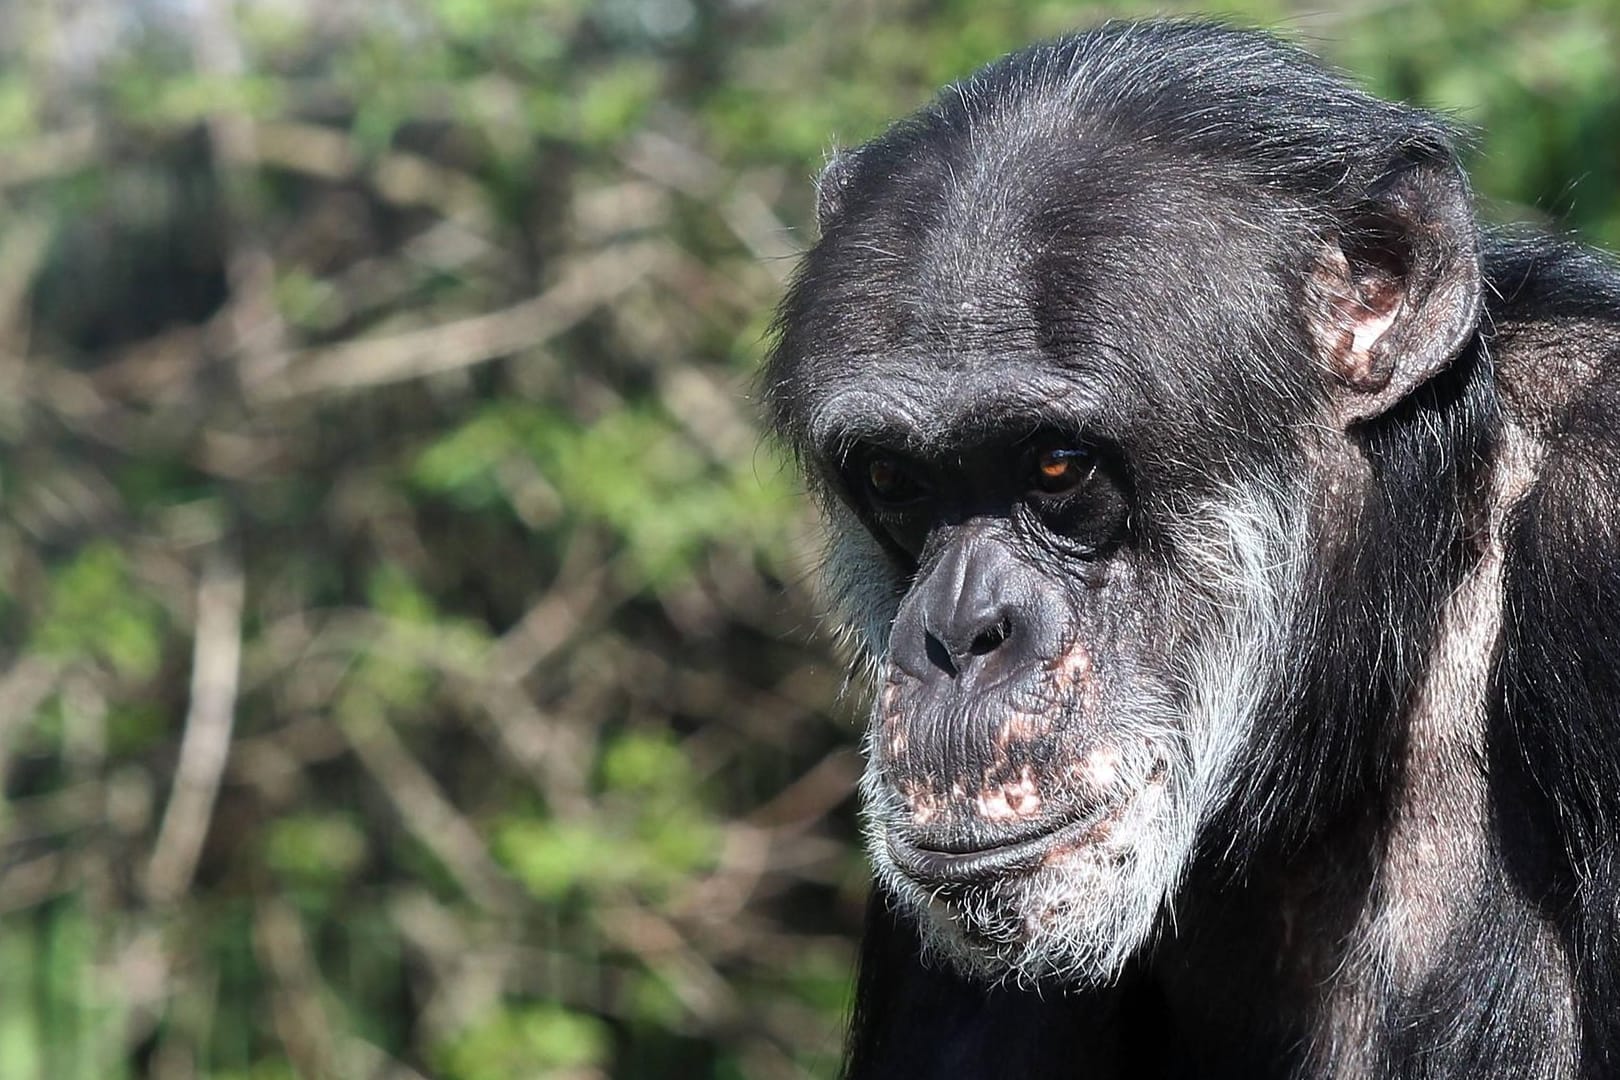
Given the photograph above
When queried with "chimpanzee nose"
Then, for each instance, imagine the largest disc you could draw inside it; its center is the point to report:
(978, 626)
(968, 613)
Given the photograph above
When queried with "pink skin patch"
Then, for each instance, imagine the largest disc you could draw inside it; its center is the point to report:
(1100, 769)
(1071, 666)
(1020, 799)
(924, 803)
(1021, 727)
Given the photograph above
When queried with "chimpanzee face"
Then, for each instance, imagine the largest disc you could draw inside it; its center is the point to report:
(1059, 451)
(1080, 414)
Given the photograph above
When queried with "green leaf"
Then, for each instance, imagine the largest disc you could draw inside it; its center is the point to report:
(95, 612)
(645, 761)
(320, 850)
(523, 1040)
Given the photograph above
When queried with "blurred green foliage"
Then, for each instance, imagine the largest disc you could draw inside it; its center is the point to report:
(407, 662)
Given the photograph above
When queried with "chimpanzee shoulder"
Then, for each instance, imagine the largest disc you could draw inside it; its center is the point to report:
(1555, 746)
(1554, 327)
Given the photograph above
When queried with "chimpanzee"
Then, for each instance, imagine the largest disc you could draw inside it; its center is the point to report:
(1228, 523)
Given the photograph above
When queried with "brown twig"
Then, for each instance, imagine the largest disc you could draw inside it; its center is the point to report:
(22, 690)
(300, 1017)
(426, 811)
(399, 177)
(215, 669)
(590, 283)
(249, 322)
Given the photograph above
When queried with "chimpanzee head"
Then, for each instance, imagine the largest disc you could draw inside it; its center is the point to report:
(1103, 367)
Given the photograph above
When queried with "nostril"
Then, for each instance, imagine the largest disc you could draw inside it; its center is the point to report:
(953, 654)
(991, 637)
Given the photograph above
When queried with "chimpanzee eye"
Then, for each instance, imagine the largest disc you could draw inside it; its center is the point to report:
(1057, 469)
(890, 480)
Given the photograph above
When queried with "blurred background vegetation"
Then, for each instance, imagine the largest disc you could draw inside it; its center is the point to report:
(408, 663)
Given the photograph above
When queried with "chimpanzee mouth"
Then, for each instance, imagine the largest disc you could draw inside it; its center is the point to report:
(931, 866)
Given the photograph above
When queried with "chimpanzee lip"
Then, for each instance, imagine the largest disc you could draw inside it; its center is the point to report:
(930, 866)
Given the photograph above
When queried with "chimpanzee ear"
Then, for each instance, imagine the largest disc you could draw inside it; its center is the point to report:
(831, 186)
(1395, 295)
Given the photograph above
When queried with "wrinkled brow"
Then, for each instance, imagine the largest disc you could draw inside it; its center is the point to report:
(924, 417)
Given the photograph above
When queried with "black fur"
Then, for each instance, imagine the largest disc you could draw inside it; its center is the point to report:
(1117, 231)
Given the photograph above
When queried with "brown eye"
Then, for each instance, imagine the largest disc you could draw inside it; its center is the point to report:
(1060, 468)
(890, 481)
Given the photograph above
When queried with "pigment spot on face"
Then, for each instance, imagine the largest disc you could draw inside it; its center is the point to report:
(1008, 802)
(1100, 769)
(1071, 667)
(923, 802)
(1021, 727)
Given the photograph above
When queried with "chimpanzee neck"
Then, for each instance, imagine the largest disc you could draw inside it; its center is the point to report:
(1343, 953)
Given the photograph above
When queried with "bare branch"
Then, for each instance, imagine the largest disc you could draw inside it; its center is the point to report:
(590, 283)
(215, 669)
(426, 810)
